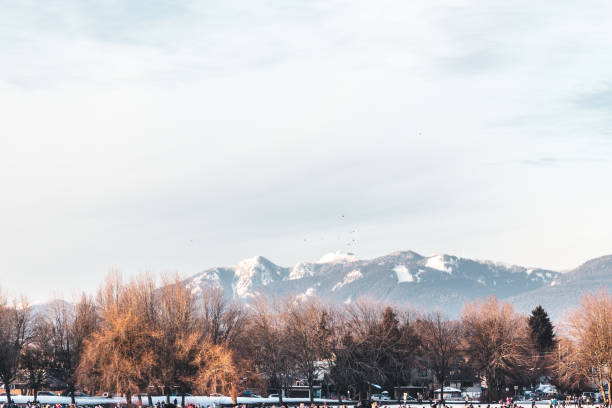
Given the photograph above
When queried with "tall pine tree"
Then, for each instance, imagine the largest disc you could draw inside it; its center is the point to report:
(541, 330)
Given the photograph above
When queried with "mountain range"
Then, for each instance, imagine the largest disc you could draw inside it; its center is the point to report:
(439, 282)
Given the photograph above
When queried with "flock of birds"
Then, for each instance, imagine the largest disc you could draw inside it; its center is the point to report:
(351, 242)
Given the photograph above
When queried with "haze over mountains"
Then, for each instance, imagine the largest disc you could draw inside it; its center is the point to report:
(442, 282)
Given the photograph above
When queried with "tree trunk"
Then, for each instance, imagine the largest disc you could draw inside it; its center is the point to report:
(139, 400)
(363, 395)
(182, 399)
(280, 395)
(442, 380)
(234, 394)
(150, 399)
(7, 387)
(128, 398)
(311, 392)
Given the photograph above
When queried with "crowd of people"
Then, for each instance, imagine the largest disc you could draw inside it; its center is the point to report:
(569, 401)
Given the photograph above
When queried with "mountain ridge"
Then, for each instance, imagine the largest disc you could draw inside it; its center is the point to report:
(441, 281)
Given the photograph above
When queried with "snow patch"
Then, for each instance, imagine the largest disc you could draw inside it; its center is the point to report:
(253, 271)
(338, 256)
(303, 297)
(403, 274)
(301, 270)
(543, 275)
(437, 262)
(352, 276)
(205, 278)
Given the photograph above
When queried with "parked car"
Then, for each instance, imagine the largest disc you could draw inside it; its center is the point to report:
(66, 393)
(273, 396)
(107, 395)
(249, 394)
(46, 394)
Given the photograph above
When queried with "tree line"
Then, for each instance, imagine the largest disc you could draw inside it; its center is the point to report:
(139, 338)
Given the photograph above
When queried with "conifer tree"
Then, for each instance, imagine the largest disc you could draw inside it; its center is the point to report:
(541, 330)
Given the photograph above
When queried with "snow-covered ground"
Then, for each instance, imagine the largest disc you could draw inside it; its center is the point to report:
(203, 401)
(219, 401)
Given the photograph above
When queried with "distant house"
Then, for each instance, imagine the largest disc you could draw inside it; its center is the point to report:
(450, 393)
(301, 390)
(463, 379)
(421, 383)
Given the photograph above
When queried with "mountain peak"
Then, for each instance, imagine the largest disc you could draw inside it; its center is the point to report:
(406, 254)
(595, 268)
(253, 272)
(250, 263)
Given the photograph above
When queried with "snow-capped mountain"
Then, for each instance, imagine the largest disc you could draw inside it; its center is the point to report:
(441, 281)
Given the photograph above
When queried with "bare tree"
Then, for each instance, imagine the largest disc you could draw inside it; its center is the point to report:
(440, 340)
(357, 349)
(14, 335)
(69, 327)
(268, 334)
(309, 333)
(497, 342)
(587, 354)
(222, 321)
(567, 375)
(37, 356)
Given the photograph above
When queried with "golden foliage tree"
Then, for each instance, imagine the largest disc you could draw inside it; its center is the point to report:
(178, 336)
(120, 356)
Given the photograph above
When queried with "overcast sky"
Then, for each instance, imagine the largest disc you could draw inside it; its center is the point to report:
(173, 136)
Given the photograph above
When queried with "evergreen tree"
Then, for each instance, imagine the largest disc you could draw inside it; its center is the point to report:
(541, 330)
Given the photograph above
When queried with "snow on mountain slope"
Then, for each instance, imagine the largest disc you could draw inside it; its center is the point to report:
(440, 281)
(403, 274)
(440, 263)
(301, 270)
(352, 276)
(337, 256)
(253, 272)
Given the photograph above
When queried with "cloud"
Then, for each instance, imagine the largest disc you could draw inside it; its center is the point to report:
(599, 99)
(129, 131)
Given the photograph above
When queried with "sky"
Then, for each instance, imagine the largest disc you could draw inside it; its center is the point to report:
(174, 136)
